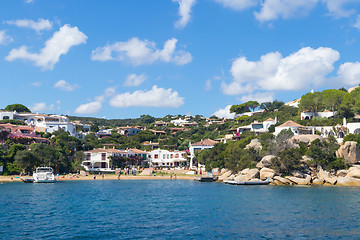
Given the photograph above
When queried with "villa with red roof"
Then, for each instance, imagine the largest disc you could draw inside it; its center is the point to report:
(199, 146)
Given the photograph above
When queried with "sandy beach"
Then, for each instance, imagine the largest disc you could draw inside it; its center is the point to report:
(17, 178)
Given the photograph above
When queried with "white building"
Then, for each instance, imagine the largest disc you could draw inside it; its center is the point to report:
(99, 159)
(311, 115)
(295, 103)
(42, 122)
(293, 126)
(257, 127)
(199, 146)
(179, 122)
(128, 131)
(165, 158)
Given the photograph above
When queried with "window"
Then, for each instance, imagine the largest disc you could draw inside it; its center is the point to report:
(6, 117)
(156, 156)
(88, 156)
(103, 156)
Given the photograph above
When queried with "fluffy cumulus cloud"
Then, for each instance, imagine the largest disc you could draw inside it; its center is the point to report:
(224, 113)
(303, 69)
(259, 97)
(156, 97)
(337, 8)
(142, 52)
(59, 44)
(238, 5)
(38, 26)
(65, 86)
(4, 38)
(41, 107)
(349, 74)
(274, 9)
(185, 7)
(96, 105)
(133, 80)
(89, 108)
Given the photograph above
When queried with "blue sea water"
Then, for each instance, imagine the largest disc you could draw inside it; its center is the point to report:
(165, 209)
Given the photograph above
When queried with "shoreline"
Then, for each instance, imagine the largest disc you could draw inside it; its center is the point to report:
(17, 178)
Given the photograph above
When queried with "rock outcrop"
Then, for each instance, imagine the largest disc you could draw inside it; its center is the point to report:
(266, 173)
(348, 181)
(282, 181)
(304, 138)
(255, 143)
(350, 152)
(224, 176)
(265, 162)
(247, 174)
(354, 172)
(326, 176)
(301, 181)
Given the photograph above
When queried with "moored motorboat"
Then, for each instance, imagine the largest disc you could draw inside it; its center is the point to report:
(233, 182)
(44, 175)
(204, 179)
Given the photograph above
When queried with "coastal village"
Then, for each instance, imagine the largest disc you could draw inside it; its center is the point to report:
(302, 142)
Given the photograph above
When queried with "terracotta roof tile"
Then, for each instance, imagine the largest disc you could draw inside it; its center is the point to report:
(291, 124)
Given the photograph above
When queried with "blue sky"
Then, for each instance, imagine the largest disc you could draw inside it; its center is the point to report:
(122, 59)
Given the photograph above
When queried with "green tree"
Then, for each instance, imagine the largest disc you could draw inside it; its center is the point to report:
(17, 107)
(26, 160)
(245, 107)
(271, 106)
(311, 102)
(333, 98)
(147, 119)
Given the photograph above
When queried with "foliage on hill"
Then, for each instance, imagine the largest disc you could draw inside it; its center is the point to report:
(17, 107)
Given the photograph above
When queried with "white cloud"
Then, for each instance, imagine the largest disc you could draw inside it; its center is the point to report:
(238, 5)
(58, 45)
(41, 24)
(357, 24)
(184, 12)
(96, 105)
(349, 74)
(224, 113)
(139, 52)
(336, 8)
(134, 80)
(40, 107)
(208, 85)
(36, 84)
(156, 97)
(274, 9)
(65, 86)
(89, 108)
(4, 38)
(259, 97)
(303, 69)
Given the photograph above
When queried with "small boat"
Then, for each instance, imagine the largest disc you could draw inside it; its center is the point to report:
(233, 182)
(27, 180)
(204, 179)
(44, 175)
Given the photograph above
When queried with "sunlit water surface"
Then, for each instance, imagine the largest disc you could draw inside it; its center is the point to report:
(165, 209)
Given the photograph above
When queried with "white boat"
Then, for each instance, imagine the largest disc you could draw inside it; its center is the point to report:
(44, 175)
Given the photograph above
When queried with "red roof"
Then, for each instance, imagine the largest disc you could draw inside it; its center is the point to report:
(206, 142)
(291, 124)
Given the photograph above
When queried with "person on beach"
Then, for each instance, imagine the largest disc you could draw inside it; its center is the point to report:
(175, 177)
(103, 175)
(94, 176)
(119, 175)
(171, 176)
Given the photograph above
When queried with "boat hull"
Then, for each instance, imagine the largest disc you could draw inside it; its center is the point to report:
(246, 182)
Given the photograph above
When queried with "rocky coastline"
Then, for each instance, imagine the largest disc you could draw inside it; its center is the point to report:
(307, 176)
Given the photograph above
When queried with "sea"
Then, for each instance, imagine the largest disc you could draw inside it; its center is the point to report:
(176, 209)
